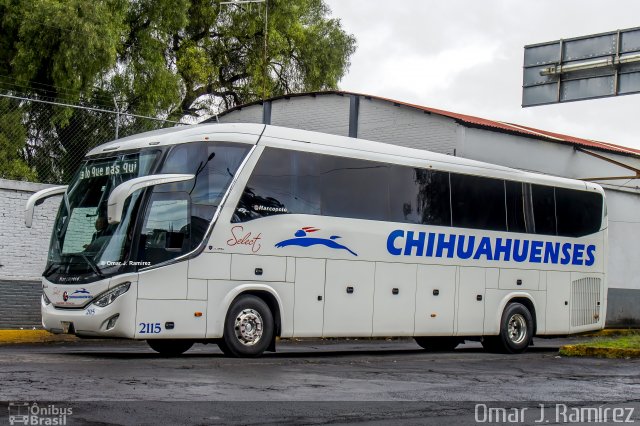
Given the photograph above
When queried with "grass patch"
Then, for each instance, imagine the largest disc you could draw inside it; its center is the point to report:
(627, 346)
(33, 336)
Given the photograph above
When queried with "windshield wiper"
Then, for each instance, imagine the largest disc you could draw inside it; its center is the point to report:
(91, 264)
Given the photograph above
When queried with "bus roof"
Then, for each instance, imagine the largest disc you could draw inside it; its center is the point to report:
(284, 137)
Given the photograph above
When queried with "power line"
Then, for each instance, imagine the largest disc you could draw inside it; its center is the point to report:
(88, 108)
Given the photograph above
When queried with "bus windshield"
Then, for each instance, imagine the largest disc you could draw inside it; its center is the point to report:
(171, 221)
(83, 242)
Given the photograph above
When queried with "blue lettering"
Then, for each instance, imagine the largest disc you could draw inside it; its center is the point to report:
(551, 252)
(484, 248)
(449, 245)
(536, 252)
(590, 255)
(393, 236)
(430, 239)
(578, 252)
(503, 249)
(566, 254)
(517, 255)
(506, 249)
(410, 243)
(462, 253)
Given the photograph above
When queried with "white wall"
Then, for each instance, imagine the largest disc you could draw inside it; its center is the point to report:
(327, 114)
(624, 230)
(541, 156)
(383, 121)
(23, 251)
(250, 114)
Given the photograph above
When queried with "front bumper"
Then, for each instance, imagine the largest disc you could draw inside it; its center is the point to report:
(92, 321)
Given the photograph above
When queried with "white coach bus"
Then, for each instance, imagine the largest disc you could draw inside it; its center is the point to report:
(236, 234)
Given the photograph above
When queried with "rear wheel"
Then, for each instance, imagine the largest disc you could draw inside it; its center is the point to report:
(438, 343)
(516, 331)
(170, 347)
(248, 328)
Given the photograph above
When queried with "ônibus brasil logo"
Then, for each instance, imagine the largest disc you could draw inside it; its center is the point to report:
(302, 239)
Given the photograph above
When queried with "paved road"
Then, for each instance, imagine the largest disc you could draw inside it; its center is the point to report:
(319, 382)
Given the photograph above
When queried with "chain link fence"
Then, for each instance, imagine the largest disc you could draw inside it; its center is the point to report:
(44, 141)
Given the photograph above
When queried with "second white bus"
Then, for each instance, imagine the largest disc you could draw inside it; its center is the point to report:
(237, 234)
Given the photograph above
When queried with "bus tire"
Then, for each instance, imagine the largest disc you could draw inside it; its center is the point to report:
(170, 347)
(516, 331)
(248, 328)
(437, 344)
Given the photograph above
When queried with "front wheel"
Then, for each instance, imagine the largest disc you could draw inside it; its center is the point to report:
(170, 347)
(516, 331)
(248, 328)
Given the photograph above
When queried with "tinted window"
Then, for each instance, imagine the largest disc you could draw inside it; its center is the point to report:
(419, 196)
(286, 181)
(516, 206)
(478, 202)
(282, 182)
(165, 234)
(214, 165)
(544, 212)
(353, 188)
(579, 212)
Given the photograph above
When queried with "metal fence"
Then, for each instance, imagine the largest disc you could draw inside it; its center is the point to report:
(45, 141)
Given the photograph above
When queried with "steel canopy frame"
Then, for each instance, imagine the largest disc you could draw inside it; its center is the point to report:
(588, 67)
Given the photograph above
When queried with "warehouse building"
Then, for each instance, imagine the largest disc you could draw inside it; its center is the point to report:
(614, 167)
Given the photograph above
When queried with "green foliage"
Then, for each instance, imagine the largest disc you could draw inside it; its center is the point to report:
(12, 140)
(164, 58)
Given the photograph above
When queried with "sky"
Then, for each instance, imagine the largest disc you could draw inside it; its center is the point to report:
(466, 56)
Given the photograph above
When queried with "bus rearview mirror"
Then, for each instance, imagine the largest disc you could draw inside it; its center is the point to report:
(37, 199)
(120, 193)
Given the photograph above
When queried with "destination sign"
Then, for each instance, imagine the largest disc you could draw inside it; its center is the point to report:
(115, 167)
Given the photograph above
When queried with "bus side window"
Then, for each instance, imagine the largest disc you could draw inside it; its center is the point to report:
(354, 188)
(579, 212)
(516, 207)
(282, 182)
(544, 209)
(165, 233)
(478, 202)
(419, 196)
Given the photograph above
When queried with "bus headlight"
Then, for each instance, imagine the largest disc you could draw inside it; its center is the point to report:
(107, 298)
(45, 299)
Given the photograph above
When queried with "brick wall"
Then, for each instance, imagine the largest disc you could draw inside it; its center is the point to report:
(383, 121)
(20, 304)
(327, 114)
(23, 251)
(250, 114)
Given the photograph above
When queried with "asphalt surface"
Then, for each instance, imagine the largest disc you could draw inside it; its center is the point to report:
(318, 382)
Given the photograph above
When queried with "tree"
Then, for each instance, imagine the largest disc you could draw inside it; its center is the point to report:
(164, 58)
(12, 141)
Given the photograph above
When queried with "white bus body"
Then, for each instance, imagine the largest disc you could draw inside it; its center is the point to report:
(292, 233)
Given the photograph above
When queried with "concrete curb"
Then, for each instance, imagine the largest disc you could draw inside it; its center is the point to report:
(593, 351)
(33, 336)
(610, 332)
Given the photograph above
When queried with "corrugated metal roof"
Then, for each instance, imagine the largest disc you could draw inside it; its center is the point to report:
(472, 121)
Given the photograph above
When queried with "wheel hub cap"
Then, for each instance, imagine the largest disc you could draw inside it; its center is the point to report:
(249, 327)
(517, 328)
